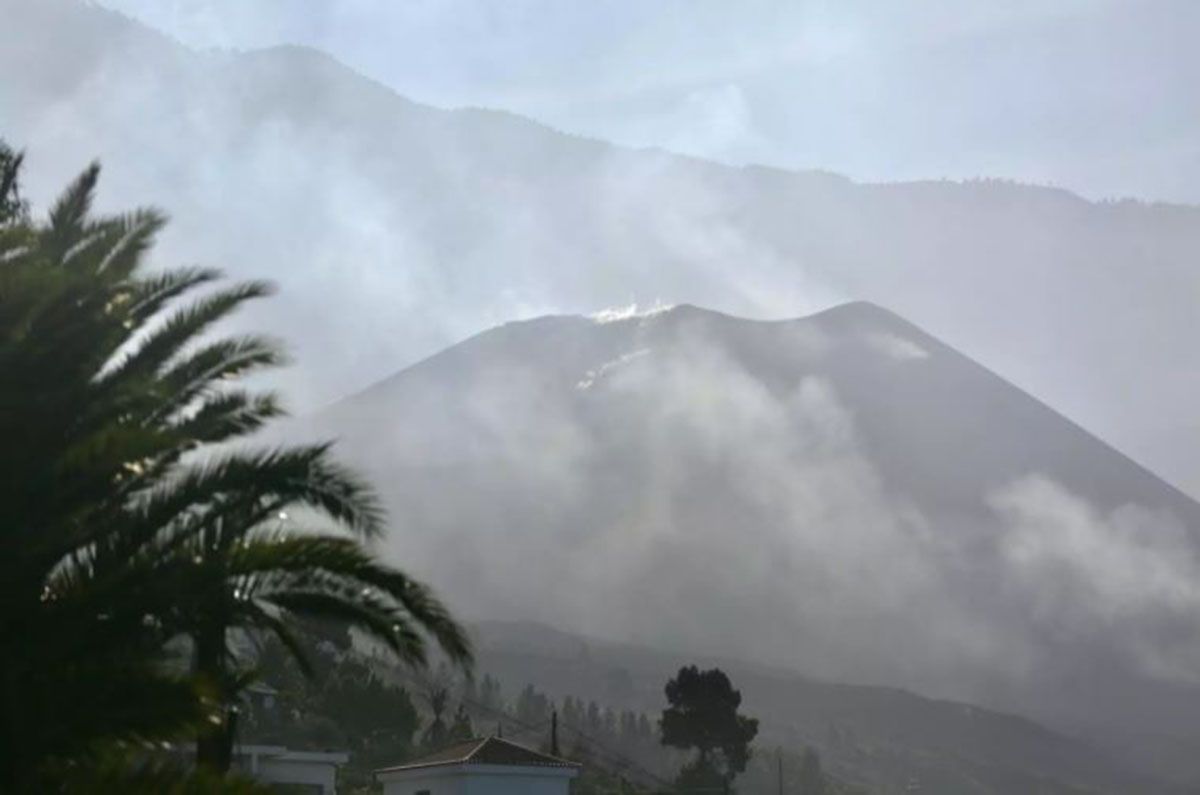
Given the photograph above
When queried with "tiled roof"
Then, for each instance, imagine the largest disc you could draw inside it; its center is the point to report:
(485, 751)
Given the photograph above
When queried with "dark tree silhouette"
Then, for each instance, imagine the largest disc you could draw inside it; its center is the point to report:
(533, 707)
(703, 714)
(489, 693)
(12, 206)
(462, 728)
(437, 733)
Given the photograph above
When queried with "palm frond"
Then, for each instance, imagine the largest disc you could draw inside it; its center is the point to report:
(218, 362)
(268, 481)
(69, 214)
(115, 539)
(260, 615)
(130, 237)
(362, 609)
(149, 296)
(283, 561)
(161, 345)
(228, 415)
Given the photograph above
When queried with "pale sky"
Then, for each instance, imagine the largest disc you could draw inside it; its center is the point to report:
(1098, 96)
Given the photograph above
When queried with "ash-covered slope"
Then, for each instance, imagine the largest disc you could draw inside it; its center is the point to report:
(841, 494)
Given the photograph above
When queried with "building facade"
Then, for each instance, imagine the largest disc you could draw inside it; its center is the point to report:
(484, 766)
(301, 771)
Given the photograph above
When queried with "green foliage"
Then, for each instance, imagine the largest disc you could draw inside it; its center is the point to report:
(121, 530)
(701, 775)
(344, 706)
(12, 207)
(533, 708)
(703, 714)
(88, 670)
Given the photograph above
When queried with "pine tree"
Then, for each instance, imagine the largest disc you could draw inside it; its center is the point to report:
(461, 728)
(437, 733)
(645, 728)
(703, 714)
(489, 693)
(571, 713)
(628, 727)
(610, 724)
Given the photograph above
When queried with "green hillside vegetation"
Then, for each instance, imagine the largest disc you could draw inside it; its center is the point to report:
(384, 716)
(873, 739)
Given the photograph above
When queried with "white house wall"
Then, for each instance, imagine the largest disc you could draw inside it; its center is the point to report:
(480, 780)
(434, 786)
(517, 785)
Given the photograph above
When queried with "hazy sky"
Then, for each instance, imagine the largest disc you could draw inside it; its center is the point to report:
(1093, 95)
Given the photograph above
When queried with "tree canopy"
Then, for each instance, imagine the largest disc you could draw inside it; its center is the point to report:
(12, 206)
(703, 714)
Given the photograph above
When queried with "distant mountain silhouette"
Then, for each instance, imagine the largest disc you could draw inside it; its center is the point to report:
(396, 228)
(842, 495)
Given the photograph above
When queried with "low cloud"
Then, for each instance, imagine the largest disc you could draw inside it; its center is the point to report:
(1128, 578)
(896, 347)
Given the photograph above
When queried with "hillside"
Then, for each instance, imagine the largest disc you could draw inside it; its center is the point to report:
(881, 739)
(841, 495)
(395, 228)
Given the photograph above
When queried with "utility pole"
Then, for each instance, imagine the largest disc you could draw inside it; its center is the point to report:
(779, 759)
(554, 733)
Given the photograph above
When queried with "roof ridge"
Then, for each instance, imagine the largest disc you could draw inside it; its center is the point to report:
(482, 751)
(479, 744)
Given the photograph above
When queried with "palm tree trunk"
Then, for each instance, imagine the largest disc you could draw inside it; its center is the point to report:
(214, 745)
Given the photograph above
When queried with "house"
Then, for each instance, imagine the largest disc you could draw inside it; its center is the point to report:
(261, 696)
(485, 766)
(301, 771)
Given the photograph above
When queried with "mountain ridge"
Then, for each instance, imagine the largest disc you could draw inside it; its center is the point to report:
(850, 313)
(404, 228)
(925, 467)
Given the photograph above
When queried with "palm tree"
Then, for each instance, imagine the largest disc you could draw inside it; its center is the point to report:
(11, 204)
(238, 572)
(80, 665)
(120, 529)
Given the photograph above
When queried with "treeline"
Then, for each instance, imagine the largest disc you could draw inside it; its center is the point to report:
(385, 715)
